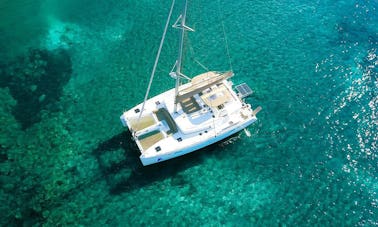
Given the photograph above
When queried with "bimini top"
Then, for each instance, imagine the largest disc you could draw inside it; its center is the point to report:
(202, 82)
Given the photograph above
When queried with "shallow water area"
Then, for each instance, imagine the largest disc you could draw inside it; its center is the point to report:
(66, 75)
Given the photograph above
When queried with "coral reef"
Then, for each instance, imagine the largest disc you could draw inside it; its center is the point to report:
(36, 82)
(30, 190)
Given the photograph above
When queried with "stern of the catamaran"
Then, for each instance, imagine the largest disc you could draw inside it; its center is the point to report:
(123, 120)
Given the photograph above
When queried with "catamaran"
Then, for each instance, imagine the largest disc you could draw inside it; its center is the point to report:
(190, 116)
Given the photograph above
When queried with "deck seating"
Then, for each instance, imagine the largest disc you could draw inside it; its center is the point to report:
(163, 115)
(190, 105)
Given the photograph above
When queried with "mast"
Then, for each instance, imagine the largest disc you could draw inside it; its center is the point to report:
(157, 59)
(182, 27)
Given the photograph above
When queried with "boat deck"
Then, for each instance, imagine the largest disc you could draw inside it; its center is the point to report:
(150, 139)
(190, 105)
(203, 116)
(142, 123)
(217, 96)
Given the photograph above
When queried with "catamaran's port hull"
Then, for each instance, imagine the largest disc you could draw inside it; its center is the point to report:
(164, 157)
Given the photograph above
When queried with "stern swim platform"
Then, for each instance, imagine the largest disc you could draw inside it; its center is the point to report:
(152, 128)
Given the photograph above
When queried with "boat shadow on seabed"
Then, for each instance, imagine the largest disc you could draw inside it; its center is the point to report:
(128, 173)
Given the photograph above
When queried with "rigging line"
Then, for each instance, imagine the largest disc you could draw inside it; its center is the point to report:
(189, 43)
(156, 60)
(200, 64)
(174, 66)
(224, 35)
(193, 54)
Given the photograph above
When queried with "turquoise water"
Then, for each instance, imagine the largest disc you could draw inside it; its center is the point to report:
(68, 70)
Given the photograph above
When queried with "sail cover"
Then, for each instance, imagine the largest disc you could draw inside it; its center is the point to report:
(202, 82)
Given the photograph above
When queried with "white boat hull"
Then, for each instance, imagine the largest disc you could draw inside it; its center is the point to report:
(164, 157)
(161, 132)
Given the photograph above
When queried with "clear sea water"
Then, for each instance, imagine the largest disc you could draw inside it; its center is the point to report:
(69, 68)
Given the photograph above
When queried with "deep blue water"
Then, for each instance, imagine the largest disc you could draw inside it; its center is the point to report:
(68, 70)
